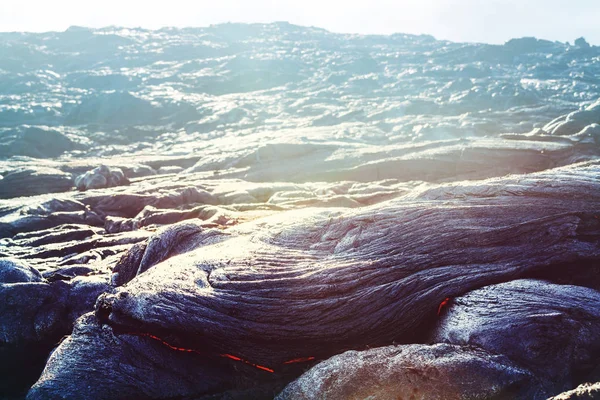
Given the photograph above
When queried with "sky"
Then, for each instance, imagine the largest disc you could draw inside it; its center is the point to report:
(489, 21)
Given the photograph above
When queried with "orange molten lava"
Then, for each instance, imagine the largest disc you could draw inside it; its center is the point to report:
(299, 360)
(443, 304)
(186, 350)
(235, 358)
(247, 362)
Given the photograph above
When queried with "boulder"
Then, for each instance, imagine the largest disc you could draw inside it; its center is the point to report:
(419, 372)
(552, 330)
(101, 177)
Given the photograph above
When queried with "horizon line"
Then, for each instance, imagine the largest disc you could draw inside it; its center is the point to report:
(182, 27)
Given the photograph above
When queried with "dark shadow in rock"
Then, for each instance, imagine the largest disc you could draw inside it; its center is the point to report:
(33, 321)
(67, 273)
(35, 315)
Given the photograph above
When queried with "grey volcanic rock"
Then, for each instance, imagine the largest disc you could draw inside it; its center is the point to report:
(13, 271)
(101, 177)
(440, 161)
(32, 141)
(129, 205)
(222, 94)
(127, 266)
(420, 372)
(590, 134)
(582, 43)
(29, 182)
(552, 330)
(42, 217)
(173, 240)
(31, 311)
(113, 108)
(586, 391)
(575, 121)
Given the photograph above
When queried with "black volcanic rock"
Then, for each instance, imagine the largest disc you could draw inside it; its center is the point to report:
(130, 366)
(13, 271)
(33, 141)
(35, 315)
(552, 330)
(311, 285)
